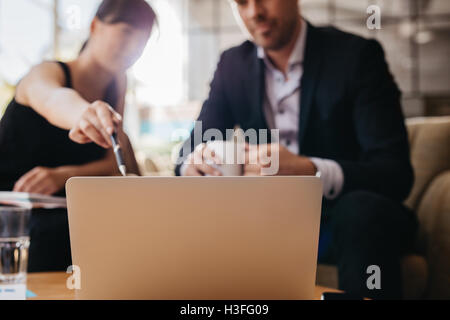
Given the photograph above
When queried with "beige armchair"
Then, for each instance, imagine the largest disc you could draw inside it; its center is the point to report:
(427, 274)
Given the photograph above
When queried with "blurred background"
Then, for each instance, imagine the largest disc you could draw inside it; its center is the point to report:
(169, 83)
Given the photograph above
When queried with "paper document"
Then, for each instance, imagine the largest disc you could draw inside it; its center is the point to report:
(32, 200)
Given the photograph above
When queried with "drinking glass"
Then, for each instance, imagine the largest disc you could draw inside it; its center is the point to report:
(14, 244)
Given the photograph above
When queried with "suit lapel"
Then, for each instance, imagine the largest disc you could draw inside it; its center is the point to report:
(311, 68)
(254, 88)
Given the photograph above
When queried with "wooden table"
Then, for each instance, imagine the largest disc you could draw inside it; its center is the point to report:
(52, 286)
(49, 286)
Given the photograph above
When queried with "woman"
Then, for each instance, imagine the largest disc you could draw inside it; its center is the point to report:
(37, 155)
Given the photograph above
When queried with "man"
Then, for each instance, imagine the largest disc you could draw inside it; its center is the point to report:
(338, 112)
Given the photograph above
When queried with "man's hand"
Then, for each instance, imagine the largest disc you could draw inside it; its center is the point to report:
(46, 181)
(197, 163)
(274, 155)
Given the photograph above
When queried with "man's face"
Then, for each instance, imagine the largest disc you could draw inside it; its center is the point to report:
(270, 22)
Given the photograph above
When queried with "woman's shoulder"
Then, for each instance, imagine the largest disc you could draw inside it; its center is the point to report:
(45, 72)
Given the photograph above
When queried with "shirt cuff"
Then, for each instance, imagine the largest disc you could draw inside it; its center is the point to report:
(183, 169)
(332, 177)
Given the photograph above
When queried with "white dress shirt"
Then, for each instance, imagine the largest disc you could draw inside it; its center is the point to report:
(282, 111)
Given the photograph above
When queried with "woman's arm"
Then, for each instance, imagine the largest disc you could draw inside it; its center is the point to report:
(127, 148)
(42, 89)
(128, 154)
(108, 165)
(49, 181)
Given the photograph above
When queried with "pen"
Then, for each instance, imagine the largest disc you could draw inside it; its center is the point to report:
(118, 153)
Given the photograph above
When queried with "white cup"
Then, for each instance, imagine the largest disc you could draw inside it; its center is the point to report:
(231, 156)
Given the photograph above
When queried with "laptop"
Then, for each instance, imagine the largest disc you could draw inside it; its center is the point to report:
(195, 238)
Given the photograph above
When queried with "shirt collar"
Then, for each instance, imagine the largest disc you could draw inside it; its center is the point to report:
(298, 53)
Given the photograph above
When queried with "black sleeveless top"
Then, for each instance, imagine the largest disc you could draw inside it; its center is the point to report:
(28, 140)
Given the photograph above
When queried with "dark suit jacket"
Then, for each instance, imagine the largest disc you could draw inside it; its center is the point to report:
(350, 108)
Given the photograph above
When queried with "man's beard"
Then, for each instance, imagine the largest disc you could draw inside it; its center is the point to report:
(284, 36)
